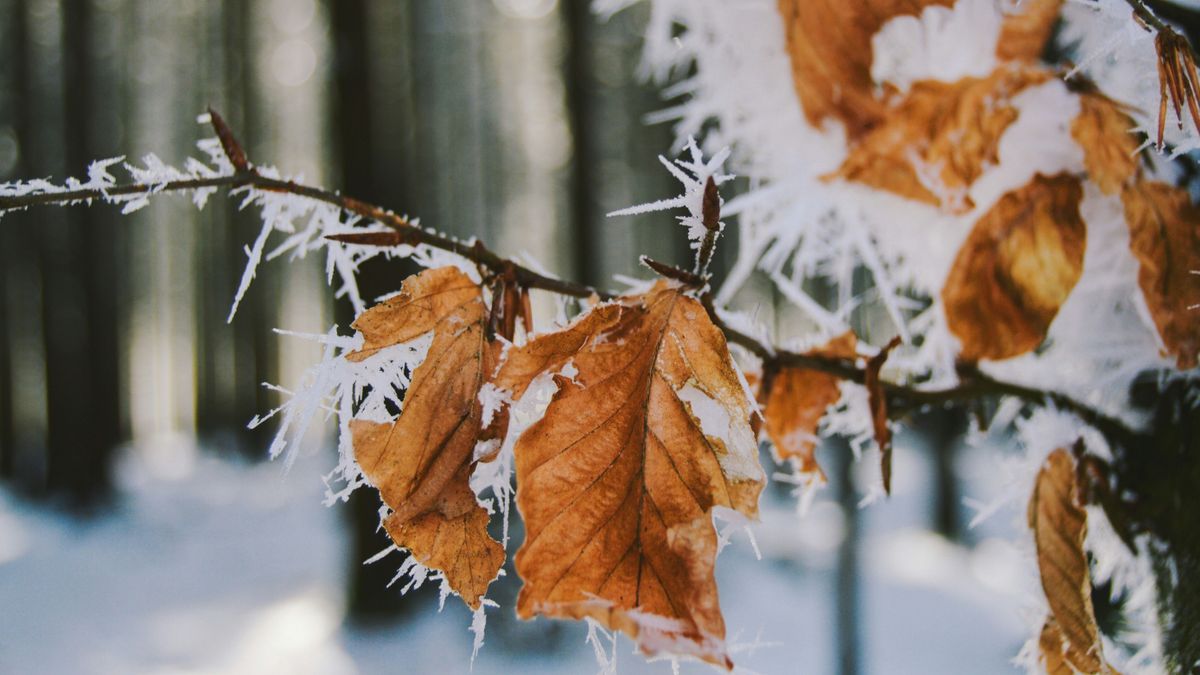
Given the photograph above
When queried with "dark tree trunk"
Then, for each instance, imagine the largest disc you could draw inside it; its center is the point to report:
(847, 632)
(942, 428)
(359, 155)
(1163, 475)
(585, 208)
(79, 300)
(15, 89)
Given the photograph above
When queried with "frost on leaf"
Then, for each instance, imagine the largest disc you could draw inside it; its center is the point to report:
(421, 462)
(1025, 32)
(829, 42)
(938, 137)
(1164, 234)
(794, 401)
(618, 481)
(1016, 268)
(1059, 525)
(1104, 130)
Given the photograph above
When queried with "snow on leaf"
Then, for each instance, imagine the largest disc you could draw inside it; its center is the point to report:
(694, 174)
(1104, 130)
(1025, 32)
(422, 461)
(1059, 523)
(1016, 268)
(618, 481)
(1164, 236)
(938, 138)
(829, 42)
(794, 401)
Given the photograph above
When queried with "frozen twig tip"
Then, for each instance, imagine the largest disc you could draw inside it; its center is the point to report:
(229, 143)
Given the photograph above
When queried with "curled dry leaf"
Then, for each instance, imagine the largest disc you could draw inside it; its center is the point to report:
(617, 482)
(877, 399)
(1164, 234)
(1104, 130)
(794, 401)
(1025, 32)
(938, 137)
(1016, 269)
(1059, 525)
(829, 42)
(421, 462)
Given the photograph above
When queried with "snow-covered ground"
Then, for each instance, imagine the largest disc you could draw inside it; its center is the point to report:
(232, 568)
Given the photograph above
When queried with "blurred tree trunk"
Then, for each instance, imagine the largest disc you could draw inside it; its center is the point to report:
(614, 161)
(238, 357)
(77, 270)
(847, 634)
(359, 155)
(942, 428)
(14, 35)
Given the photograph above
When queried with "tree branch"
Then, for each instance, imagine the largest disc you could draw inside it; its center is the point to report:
(902, 399)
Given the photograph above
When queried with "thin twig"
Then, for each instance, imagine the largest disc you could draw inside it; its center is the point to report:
(901, 399)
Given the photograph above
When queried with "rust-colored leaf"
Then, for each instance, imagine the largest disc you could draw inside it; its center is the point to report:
(1025, 32)
(421, 462)
(1164, 234)
(938, 138)
(1104, 130)
(796, 400)
(877, 398)
(1059, 525)
(617, 482)
(829, 42)
(1016, 269)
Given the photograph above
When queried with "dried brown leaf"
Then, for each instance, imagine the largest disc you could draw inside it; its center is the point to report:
(617, 482)
(1016, 268)
(1025, 32)
(1104, 130)
(877, 398)
(795, 403)
(1053, 649)
(1059, 525)
(829, 42)
(938, 138)
(421, 462)
(1164, 235)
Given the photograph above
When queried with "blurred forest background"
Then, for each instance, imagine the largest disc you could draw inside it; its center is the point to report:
(521, 122)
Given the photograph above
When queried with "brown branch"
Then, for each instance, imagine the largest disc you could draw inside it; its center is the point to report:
(901, 399)
(1147, 17)
(1178, 79)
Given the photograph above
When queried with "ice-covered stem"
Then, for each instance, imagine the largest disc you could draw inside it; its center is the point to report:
(901, 399)
(711, 217)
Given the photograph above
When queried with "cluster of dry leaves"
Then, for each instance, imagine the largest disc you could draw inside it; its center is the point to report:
(649, 430)
(932, 142)
(1025, 253)
(652, 426)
